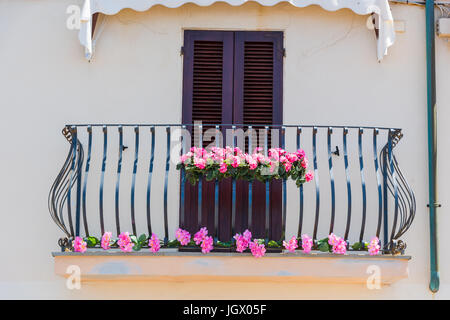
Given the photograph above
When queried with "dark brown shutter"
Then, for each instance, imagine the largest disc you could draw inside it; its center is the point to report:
(207, 97)
(258, 101)
(207, 91)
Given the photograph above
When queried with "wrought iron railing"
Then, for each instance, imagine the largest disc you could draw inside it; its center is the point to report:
(358, 190)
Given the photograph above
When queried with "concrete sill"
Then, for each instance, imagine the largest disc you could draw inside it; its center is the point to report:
(171, 265)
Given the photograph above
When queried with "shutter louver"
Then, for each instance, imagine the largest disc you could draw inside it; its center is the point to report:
(258, 85)
(207, 84)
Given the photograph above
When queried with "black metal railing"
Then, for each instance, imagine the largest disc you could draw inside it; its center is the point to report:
(358, 190)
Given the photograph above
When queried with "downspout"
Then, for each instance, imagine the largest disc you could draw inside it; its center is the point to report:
(432, 143)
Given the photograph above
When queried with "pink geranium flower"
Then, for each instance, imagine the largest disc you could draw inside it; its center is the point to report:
(307, 243)
(374, 246)
(253, 164)
(124, 242)
(200, 163)
(339, 245)
(223, 167)
(291, 245)
(79, 245)
(304, 163)
(258, 250)
(207, 244)
(309, 176)
(287, 166)
(200, 235)
(153, 243)
(236, 161)
(106, 240)
(183, 236)
(301, 153)
(242, 241)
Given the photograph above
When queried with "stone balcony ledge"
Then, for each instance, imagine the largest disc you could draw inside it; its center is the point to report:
(172, 265)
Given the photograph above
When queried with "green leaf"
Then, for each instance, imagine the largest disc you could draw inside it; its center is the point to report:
(133, 239)
(173, 243)
(137, 247)
(357, 246)
(324, 247)
(260, 241)
(142, 238)
(273, 244)
(91, 241)
(224, 244)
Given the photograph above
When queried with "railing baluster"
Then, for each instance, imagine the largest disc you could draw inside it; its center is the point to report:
(394, 182)
(119, 170)
(166, 185)
(377, 173)
(349, 188)
(233, 190)
(86, 174)
(250, 183)
(200, 183)
(72, 173)
(300, 218)
(102, 178)
(284, 193)
(363, 184)
(385, 200)
(149, 180)
(133, 181)
(216, 194)
(330, 166)
(78, 199)
(316, 179)
(267, 220)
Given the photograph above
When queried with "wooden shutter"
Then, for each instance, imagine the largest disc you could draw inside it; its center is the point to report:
(208, 97)
(207, 83)
(258, 85)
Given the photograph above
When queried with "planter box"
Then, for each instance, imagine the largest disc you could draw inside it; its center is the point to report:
(171, 265)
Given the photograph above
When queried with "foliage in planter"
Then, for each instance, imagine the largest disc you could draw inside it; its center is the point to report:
(127, 243)
(221, 163)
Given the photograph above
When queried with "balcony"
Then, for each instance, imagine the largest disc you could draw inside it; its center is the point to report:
(123, 178)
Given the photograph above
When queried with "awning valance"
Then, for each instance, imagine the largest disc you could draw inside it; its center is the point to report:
(386, 33)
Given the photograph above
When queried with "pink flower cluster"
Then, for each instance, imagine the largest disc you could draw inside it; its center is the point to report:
(258, 250)
(106, 240)
(183, 236)
(242, 240)
(200, 235)
(153, 243)
(205, 241)
(374, 246)
(291, 245)
(201, 238)
(338, 244)
(207, 244)
(234, 157)
(124, 242)
(79, 245)
(307, 243)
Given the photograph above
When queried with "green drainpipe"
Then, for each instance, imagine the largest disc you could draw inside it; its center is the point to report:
(432, 147)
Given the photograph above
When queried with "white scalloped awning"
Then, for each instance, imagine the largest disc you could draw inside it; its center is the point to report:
(386, 33)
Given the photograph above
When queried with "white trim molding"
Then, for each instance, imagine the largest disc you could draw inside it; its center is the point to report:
(386, 33)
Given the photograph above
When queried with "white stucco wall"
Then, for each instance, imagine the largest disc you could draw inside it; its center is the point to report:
(331, 76)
